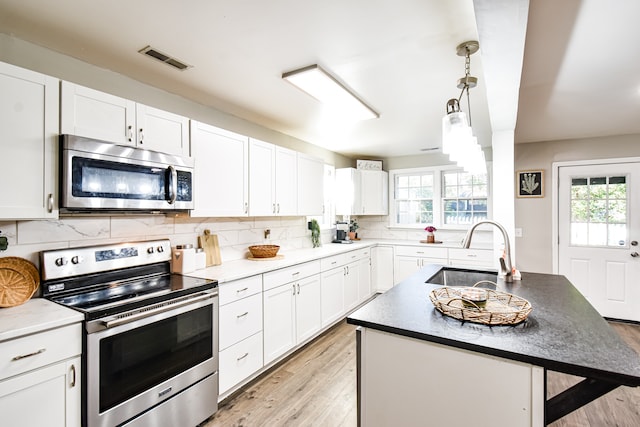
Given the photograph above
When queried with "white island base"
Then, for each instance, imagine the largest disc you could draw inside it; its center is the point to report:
(411, 382)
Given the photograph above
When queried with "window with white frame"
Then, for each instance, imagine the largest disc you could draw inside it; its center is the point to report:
(413, 198)
(464, 197)
(440, 196)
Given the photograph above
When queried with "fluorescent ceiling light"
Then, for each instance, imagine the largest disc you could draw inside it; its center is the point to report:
(319, 84)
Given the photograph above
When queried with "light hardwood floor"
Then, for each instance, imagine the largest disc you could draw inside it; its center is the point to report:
(317, 387)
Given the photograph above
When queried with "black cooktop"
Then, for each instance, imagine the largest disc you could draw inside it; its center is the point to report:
(107, 294)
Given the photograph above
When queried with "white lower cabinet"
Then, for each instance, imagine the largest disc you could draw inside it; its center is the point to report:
(364, 279)
(291, 315)
(42, 369)
(409, 259)
(472, 258)
(240, 334)
(382, 268)
(240, 361)
(332, 295)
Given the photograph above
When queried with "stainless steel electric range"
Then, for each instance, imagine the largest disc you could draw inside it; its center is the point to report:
(150, 344)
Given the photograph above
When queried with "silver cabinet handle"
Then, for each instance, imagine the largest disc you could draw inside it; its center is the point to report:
(635, 254)
(293, 289)
(298, 284)
(141, 136)
(130, 133)
(50, 203)
(278, 208)
(242, 357)
(295, 274)
(24, 356)
(242, 315)
(241, 290)
(273, 208)
(246, 207)
(72, 372)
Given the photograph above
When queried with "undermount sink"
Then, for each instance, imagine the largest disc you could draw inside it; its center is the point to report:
(449, 276)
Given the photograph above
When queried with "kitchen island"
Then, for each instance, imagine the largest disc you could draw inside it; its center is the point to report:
(419, 367)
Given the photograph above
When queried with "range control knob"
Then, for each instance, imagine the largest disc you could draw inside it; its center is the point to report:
(150, 250)
(160, 249)
(61, 261)
(76, 260)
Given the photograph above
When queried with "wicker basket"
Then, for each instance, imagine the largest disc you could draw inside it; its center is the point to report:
(264, 251)
(501, 308)
(19, 280)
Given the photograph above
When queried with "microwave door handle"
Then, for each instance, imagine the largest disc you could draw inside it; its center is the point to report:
(173, 185)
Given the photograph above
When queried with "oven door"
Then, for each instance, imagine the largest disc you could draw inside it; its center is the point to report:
(97, 175)
(136, 361)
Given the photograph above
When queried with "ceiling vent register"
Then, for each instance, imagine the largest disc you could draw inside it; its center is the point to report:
(163, 57)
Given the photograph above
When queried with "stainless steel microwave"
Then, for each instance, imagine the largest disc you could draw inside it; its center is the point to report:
(97, 176)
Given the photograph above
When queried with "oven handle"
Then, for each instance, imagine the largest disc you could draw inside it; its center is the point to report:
(148, 313)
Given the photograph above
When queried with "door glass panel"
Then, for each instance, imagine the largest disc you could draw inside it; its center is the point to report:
(599, 211)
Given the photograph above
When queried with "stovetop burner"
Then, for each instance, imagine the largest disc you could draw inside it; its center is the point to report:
(103, 290)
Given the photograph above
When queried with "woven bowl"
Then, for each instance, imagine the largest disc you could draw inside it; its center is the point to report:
(264, 251)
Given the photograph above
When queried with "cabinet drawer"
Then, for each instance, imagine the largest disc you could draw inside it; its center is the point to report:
(240, 361)
(333, 262)
(239, 320)
(276, 278)
(421, 251)
(238, 289)
(471, 254)
(34, 351)
(358, 255)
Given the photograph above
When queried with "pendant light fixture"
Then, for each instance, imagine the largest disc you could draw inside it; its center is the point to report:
(457, 135)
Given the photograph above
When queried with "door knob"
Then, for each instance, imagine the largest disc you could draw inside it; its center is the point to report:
(635, 254)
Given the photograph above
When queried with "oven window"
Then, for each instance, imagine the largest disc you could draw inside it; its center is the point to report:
(136, 360)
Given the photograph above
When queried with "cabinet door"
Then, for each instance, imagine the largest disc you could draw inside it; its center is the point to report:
(279, 321)
(94, 114)
(382, 268)
(55, 388)
(348, 192)
(405, 266)
(286, 182)
(374, 185)
(162, 131)
(261, 182)
(350, 286)
(308, 315)
(28, 142)
(364, 279)
(310, 185)
(332, 298)
(222, 172)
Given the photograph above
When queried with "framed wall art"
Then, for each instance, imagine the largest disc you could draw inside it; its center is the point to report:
(530, 183)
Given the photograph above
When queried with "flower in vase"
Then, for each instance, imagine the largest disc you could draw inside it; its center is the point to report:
(430, 229)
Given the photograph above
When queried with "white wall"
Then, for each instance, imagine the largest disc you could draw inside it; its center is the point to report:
(534, 216)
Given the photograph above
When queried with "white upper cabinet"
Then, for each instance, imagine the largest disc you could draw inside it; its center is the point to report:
(221, 172)
(375, 192)
(93, 114)
(362, 192)
(272, 179)
(28, 142)
(310, 185)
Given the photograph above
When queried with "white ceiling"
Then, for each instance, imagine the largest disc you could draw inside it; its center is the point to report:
(579, 79)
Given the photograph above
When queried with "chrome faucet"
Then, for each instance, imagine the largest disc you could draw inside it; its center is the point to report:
(505, 263)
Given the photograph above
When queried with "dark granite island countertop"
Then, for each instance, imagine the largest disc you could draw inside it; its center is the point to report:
(563, 333)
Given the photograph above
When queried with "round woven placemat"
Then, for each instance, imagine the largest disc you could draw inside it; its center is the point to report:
(19, 280)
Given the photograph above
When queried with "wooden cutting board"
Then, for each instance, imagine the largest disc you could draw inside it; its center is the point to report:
(209, 242)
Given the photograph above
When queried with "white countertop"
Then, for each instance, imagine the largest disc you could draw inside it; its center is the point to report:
(238, 269)
(35, 315)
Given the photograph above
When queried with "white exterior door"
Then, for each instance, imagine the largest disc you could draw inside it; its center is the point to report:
(599, 230)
